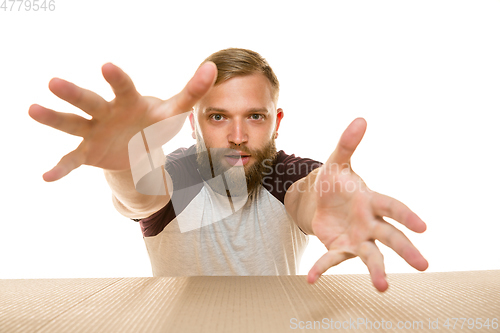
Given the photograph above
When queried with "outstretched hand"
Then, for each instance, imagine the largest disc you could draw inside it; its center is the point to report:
(349, 217)
(107, 133)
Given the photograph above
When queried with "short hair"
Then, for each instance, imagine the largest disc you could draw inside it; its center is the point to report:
(234, 62)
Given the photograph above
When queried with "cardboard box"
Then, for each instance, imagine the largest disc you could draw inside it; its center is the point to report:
(420, 302)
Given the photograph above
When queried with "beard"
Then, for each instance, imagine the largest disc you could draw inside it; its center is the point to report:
(237, 180)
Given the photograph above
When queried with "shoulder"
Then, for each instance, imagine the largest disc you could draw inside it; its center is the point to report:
(283, 161)
(182, 154)
(285, 170)
(181, 165)
(182, 168)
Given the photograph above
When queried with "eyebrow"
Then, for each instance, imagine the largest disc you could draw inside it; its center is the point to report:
(252, 110)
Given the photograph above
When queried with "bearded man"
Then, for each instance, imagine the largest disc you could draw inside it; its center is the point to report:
(231, 204)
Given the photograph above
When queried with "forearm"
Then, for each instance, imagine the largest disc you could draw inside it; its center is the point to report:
(300, 202)
(132, 203)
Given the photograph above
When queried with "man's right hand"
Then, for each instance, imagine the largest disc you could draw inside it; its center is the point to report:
(107, 134)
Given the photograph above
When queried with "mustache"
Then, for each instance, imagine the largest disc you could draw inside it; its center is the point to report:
(231, 150)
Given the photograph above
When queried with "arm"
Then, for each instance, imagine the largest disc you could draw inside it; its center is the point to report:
(131, 203)
(300, 201)
(115, 138)
(334, 204)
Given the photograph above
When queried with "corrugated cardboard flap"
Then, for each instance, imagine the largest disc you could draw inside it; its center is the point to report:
(421, 301)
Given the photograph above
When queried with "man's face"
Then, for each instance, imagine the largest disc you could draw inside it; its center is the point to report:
(240, 117)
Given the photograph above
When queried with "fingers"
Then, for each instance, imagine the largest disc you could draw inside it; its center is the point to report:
(348, 142)
(329, 259)
(120, 82)
(83, 99)
(67, 164)
(198, 86)
(384, 205)
(374, 260)
(396, 240)
(369, 254)
(66, 122)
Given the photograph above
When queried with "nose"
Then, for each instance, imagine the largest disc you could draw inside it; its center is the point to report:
(237, 133)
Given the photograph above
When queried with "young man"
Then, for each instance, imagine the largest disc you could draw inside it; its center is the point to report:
(231, 204)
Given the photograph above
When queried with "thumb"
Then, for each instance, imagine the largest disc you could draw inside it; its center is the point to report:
(196, 88)
(348, 142)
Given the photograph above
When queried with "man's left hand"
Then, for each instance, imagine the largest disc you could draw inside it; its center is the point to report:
(349, 217)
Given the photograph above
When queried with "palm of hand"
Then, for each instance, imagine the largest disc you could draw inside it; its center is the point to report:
(349, 216)
(342, 220)
(106, 136)
(106, 143)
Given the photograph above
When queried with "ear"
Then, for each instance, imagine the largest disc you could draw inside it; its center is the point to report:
(191, 120)
(279, 116)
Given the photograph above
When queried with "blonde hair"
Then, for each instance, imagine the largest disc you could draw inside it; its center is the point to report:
(233, 62)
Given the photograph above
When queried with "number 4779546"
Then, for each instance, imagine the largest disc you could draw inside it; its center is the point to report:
(471, 323)
(28, 5)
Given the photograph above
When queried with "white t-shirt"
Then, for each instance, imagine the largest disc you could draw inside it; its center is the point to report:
(195, 234)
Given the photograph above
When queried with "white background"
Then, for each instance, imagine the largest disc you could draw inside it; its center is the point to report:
(424, 74)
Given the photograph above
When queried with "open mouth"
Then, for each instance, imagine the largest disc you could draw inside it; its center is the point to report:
(237, 156)
(237, 159)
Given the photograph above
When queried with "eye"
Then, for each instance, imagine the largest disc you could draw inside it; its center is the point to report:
(216, 117)
(256, 116)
